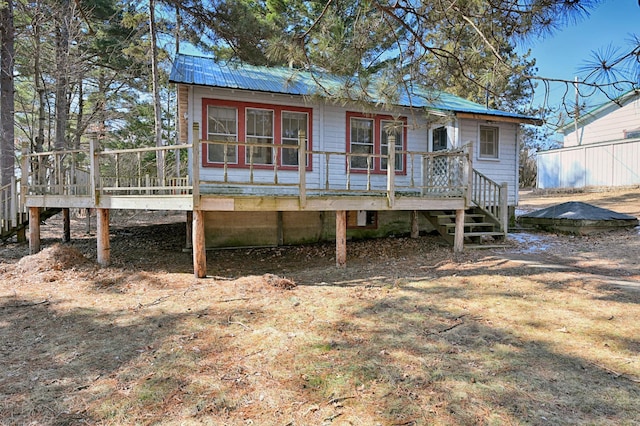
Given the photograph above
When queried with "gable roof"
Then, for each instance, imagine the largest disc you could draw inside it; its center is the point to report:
(206, 71)
(601, 110)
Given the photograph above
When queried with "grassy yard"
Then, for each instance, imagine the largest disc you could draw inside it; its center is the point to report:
(543, 333)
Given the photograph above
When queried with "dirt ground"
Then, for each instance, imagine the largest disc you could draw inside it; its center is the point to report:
(155, 241)
(407, 334)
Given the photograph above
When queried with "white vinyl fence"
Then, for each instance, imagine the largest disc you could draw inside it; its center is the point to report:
(615, 163)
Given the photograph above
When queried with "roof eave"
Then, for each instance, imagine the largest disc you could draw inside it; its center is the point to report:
(500, 118)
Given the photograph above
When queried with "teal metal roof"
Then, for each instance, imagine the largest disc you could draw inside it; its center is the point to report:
(206, 71)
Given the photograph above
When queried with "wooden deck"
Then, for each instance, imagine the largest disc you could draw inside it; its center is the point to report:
(159, 179)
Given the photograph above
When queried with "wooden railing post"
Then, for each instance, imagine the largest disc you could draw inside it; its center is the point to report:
(24, 174)
(13, 199)
(302, 166)
(504, 207)
(391, 169)
(469, 171)
(95, 168)
(195, 166)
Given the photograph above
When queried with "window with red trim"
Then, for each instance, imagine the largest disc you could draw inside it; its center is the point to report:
(369, 134)
(269, 129)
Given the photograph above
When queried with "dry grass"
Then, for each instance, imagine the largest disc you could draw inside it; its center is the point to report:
(406, 335)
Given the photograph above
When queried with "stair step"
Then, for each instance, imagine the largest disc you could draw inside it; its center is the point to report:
(453, 216)
(485, 246)
(470, 224)
(482, 234)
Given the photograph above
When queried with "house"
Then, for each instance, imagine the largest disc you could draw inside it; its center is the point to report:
(601, 148)
(281, 156)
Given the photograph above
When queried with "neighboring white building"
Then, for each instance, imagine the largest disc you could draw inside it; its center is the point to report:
(601, 149)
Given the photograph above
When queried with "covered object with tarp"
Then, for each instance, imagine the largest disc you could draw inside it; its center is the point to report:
(577, 218)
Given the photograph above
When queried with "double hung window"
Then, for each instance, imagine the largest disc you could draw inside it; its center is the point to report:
(368, 142)
(222, 126)
(488, 142)
(388, 128)
(259, 131)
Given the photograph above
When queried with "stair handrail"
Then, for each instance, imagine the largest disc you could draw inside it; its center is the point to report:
(491, 197)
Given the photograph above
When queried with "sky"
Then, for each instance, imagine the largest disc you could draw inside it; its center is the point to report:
(561, 54)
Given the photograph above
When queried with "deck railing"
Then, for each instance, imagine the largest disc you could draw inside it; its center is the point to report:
(429, 174)
(104, 172)
(247, 168)
(139, 171)
(12, 209)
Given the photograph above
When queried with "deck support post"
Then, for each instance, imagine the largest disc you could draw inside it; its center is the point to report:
(199, 248)
(66, 225)
(458, 239)
(280, 229)
(102, 237)
(415, 229)
(504, 208)
(189, 232)
(341, 238)
(302, 166)
(34, 230)
(88, 222)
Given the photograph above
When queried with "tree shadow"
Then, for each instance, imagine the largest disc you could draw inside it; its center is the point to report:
(422, 364)
(52, 356)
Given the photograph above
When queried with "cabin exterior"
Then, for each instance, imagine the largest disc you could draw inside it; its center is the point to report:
(421, 162)
(602, 148)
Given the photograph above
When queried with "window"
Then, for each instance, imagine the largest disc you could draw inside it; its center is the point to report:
(439, 138)
(259, 131)
(488, 142)
(222, 126)
(387, 128)
(270, 128)
(361, 142)
(292, 124)
(632, 134)
(368, 139)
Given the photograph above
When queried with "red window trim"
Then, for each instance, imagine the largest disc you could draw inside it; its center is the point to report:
(377, 136)
(241, 108)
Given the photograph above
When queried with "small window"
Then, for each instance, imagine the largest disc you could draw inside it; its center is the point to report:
(440, 139)
(222, 127)
(632, 134)
(488, 142)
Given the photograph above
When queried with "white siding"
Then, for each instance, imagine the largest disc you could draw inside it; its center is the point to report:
(329, 135)
(609, 126)
(605, 164)
(503, 168)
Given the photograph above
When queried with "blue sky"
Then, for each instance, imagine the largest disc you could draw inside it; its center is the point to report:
(561, 54)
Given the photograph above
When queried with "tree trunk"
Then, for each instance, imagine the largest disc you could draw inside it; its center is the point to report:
(79, 125)
(37, 76)
(62, 74)
(157, 106)
(7, 147)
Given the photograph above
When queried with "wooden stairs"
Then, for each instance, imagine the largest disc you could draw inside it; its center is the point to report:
(480, 229)
(18, 226)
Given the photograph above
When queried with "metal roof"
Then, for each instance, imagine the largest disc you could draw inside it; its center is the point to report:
(206, 71)
(600, 110)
